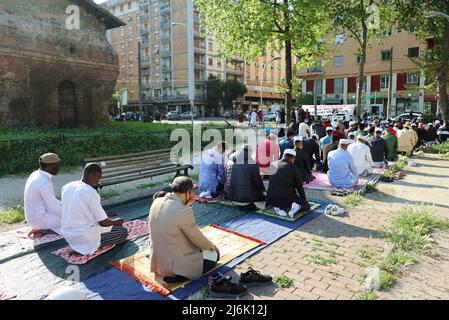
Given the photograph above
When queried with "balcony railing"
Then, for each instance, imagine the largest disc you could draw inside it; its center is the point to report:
(199, 50)
(144, 31)
(165, 8)
(144, 17)
(235, 71)
(165, 83)
(165, 24)
(146, 85)
(315, 69)
(145, 45)
(200, 65)
(165, 53)
(145, 63)
(165, 69)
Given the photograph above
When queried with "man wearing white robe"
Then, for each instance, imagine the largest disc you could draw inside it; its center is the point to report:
(361, 155)
(342, 171)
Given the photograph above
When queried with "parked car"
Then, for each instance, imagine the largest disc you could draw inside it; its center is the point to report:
(173, 115)
(269, 116)
(406, 116)
(226, 115)
(188, 115)
(128, 115)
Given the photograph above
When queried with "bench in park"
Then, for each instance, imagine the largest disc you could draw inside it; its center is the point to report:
(135, 166)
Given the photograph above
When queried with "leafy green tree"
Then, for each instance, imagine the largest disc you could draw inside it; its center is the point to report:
(434, 62)
(365, 21)
(232, 89)
(214, 94)
(304, 99)
(116, 97)
(246, 28)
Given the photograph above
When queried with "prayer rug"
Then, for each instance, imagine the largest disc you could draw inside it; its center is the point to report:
(136, 228)
(271, 213)
(322, 182)
(230, 243)
(28, 241)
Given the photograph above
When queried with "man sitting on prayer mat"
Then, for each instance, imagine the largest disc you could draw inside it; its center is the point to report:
(243, 181)
(302, 161)
(212, 170)
(379, 149)
(285, 189)
(176, 243)
(42, 210)
(85, 224)
(342, 171)
(361, 154)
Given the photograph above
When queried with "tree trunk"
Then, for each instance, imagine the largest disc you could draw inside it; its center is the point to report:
(361, 71)
(443, 74)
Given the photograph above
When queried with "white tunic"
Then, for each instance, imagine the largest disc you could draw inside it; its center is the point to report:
(254, 118)
(42, 209)
(304, 130)
(81, 213)
(361, 155)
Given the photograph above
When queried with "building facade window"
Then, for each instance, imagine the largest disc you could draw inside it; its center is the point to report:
(413, 52)
(384, 82)
(211, 62)
(339, 39)
(338, 61)
(412, 78)
(385, 55)
(338, 86)
(359, 59)
(211, 46)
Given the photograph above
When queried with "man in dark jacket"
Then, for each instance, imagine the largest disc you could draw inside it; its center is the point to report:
(318, 129)
(431, 133)
(312, 149)
(379, 149)
(302, 161)
(243, 183)
(285, 191)
(328, 148)
(443, 132)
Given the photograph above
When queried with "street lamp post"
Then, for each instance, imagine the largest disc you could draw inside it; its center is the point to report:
(190, 54)
(263, 73)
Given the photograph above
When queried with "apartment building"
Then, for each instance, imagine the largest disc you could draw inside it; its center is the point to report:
(125, 42)
(335, 78)
(167, 47)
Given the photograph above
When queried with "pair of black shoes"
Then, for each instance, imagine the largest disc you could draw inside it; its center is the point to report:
(223, 287)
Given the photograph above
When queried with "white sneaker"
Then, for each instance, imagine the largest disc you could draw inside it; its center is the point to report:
(328, 209)
(293, 210)
(280, 212)
(336, 210)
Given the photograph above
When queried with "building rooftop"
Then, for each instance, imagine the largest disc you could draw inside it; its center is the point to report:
(105, 16)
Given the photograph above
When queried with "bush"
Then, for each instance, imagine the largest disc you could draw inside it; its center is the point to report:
(438, 148)
(21, 148)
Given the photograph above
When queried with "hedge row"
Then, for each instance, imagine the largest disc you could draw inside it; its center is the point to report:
(21, 155)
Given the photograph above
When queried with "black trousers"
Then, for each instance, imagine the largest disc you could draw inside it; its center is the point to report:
(208, 265)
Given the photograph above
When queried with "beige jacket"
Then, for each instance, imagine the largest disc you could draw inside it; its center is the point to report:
(176, 243)
(406, 140)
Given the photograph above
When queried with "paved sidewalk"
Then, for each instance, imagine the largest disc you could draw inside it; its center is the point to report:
(322, 256)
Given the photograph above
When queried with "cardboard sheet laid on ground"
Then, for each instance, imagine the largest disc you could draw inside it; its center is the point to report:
(322, 182)
(230, 243)
(136, 228)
